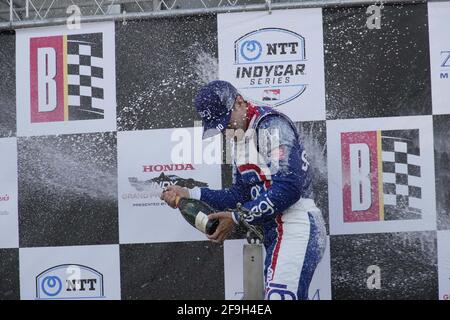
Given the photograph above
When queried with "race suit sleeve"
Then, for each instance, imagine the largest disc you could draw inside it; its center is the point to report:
(225, 198)
(288, 167)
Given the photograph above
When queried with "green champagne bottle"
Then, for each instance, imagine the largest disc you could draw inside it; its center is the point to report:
(196, 213)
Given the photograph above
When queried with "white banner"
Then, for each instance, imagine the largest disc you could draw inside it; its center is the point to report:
(65, 79)
(276, 59)
(145, 169)
(438, 26)
(381, 175)
(70, 273)
(9, 229)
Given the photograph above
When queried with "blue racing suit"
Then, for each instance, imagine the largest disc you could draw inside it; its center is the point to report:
(277, 189)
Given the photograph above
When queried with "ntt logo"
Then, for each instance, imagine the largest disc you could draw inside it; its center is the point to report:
(69, 281)
(270, 65)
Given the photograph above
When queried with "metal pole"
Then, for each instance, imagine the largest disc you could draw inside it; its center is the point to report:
(11, 11)
(27, 8)
(207, 11)
(54, 7)
(253, 272)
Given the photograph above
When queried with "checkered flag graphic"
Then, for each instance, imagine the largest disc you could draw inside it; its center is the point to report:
(402, 183)
(85, 76)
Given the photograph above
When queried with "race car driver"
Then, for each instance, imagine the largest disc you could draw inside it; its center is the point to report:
(278, 193)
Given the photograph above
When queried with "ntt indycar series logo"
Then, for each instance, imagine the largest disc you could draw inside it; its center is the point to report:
(270, 65)
(69, 281)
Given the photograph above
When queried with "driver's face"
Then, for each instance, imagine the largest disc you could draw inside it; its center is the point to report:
(238, 117)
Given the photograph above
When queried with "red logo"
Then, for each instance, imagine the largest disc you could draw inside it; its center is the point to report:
(168, 167)
(47, 79)
(360, 176)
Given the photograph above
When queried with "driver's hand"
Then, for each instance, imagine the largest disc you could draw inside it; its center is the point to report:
(225, 227)
(170, 194)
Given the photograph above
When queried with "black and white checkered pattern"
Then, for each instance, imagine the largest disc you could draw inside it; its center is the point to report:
(85, 76)
(402, 183)
(365, 81)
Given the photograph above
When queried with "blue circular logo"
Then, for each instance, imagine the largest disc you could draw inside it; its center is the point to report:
(251, 50)
(51, 286)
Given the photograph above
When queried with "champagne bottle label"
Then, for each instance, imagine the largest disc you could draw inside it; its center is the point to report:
(200, 221)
